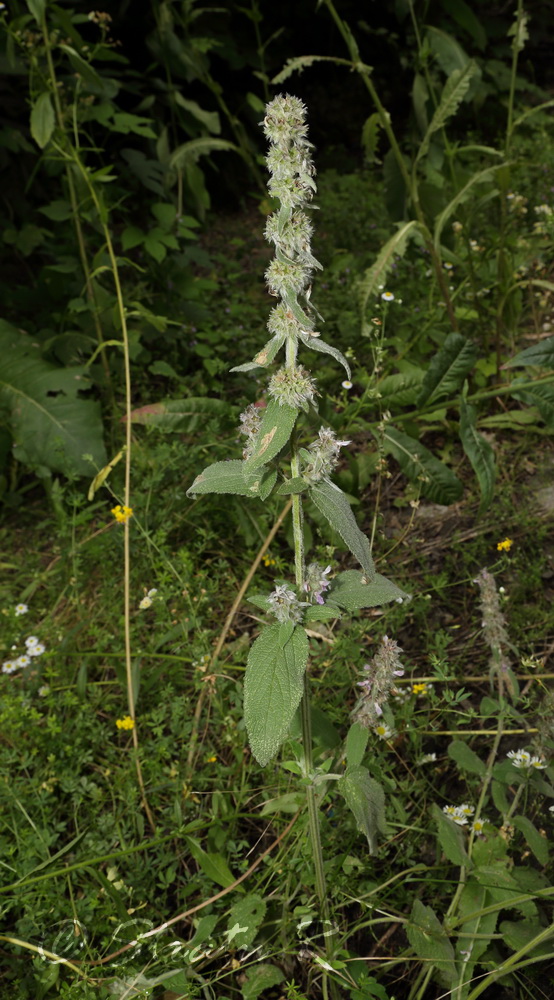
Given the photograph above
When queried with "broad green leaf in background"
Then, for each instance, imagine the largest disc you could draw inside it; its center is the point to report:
(451, 838)
(273, 688)
(274, 432)
(213, 865)
(356, 743)
(210, 119)
(392, 250)
(466, 758)
(447, 51)
(447, 369)
(438, 482)
(401, 389)
(540, 395)
(260, 978)
(462, 13)
(430, 942)
(537, 843)
(53, 428)
(334, 506)
(481, 177)
(366, 799)
(455, 89)
(541, 354)
(180, 414)
(244, 920)
(192, 150)
(37, 8)
(479, 452)
(42, 120)
(350, 592)
(521, 934)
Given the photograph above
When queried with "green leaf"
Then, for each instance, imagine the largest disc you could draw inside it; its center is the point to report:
(356, 743)
(479, 452)
(520, 934)
(259, 978)
(541, 354)
(227, 477)
(455, 89)
(473, 898)
(430, 942)
(499, 797)
(502, 887)
(57, 211)
(462, 13)
(263, 357)
(466, 758)
(447, 369)
(449, 54)
(366, 799)
(295, 485)
(438, 482)
(245, 917)
(482, 177)
(289, 803)
(210, 119)
(537, 843)
(273, 688)
(540, 395)
(190, 152)
(213, 865)
(275, 430)
(37, 8)
(42, 120)
(451, 838)
(420, 96)
(350, 592)
(321, 613)
(51, 425)
(376, 274)
(334, 506)
(401, 389)
(370, 137)
(315, 344)
(183, 415)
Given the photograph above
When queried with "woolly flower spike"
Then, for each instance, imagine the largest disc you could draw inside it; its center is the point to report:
(505, 545)
(285, 120)
(316, 582)
(324, 455)
(285, 605)
(293, 387)
(122, 514)
(21, 609)
(125, 723)
(494, 623)
(377, 686)
(250, 420)
(522, 759)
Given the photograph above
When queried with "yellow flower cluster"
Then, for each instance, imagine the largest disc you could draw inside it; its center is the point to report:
(268, 561)
(505, 545)
(125, 723)
(419, 688)
(122, 514)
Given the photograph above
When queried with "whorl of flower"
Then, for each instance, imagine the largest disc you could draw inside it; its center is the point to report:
(281, 322)
(285, 605)
(250, 420)
(285, 276)
(293, 386)
(324, 455)
(316, 582)
(378, 684)
(494, 623)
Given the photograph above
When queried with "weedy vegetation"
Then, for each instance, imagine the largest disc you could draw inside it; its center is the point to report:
(276, 685)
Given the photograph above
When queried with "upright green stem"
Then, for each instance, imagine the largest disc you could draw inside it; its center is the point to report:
(515, 57)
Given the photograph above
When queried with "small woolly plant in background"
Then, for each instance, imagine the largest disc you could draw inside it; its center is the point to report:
(289, 454)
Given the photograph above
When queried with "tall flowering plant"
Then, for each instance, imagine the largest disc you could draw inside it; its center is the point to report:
(280, 459)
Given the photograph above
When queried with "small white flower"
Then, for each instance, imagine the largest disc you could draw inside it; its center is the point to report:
(153, 592)
(465, 810)
(519, 758)
(23, 661)
(31, 641)
(427, 758)
(387, 297)
(538, 762)
(346, 384)
(43, 691)
(453, 812)
(145, 603)
(37, 650)
(21, 609)
(9, 666)
(551, 808)
(383, 731)
(478, 826)
(448, 266)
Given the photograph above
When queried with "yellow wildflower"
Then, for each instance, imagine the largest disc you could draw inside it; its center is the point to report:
(212, 759)
(122, 514)
(419, 688)
(125, 723)
(505, 545)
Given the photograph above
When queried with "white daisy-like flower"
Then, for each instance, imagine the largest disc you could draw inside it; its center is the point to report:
(519, 758)
(453, 813)
(23, 661)
(346, 384)
(427, 758)
(153, 592)
(538, 762)
(383, 731)
(551, 808)
(387, 296)
(21, 609)
(9, 666)
(465, 810)
(32, 640)
(145, 603)
(37, 650)
(478, 826)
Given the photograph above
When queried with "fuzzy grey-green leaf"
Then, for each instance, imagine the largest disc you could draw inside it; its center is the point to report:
(334, 506)
(315, 344)
(430, 942)
(42, 120)
(366, 799)
(222, 477)
(350, 592)
(274, 432)
(273, 688)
